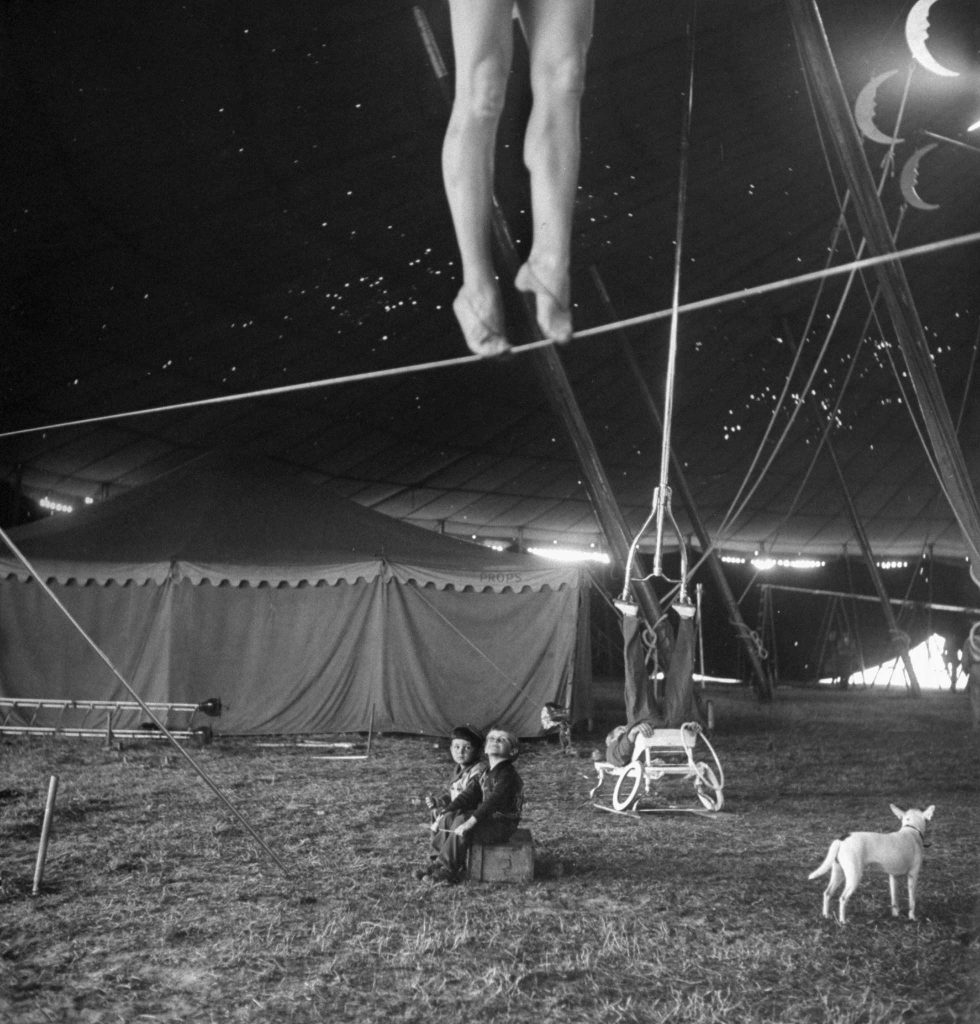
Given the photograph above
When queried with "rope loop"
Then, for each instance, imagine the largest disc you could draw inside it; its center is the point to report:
(752, 636)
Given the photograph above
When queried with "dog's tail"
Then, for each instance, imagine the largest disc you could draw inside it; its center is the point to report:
(828, 861)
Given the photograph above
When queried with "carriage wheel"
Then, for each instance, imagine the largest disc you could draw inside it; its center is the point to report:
(627, 786)
(708, 788)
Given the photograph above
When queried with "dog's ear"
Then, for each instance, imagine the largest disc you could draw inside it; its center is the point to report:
(927, 813)
(897, 811)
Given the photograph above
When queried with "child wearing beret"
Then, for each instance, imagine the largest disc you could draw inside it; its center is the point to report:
(466, 750)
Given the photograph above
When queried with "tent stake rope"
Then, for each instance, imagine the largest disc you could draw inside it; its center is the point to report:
(589, 332)
(147, 710)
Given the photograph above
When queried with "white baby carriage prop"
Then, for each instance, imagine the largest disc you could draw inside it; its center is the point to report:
(683, 753)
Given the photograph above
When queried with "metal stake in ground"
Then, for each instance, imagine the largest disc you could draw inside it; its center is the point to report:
(19, 555)
(42, 851)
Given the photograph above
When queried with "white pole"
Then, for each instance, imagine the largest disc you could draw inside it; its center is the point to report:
(45, 833)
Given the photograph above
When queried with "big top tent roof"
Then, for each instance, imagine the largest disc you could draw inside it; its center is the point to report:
(227, 520)
(205, 201)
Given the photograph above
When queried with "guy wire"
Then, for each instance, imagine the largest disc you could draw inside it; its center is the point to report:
(146, 709)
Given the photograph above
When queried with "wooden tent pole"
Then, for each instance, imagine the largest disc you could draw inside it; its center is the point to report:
(819, 68)
(761, 681)
(558, 389)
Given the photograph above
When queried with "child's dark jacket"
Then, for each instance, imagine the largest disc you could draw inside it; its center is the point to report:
(497, 794)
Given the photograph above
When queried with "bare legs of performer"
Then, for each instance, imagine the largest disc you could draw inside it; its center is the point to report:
(558, 36)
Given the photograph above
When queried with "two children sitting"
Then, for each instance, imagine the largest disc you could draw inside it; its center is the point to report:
(483, 803)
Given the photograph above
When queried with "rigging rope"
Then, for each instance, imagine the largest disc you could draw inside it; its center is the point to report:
(589, 332)
(968, 380)
(887, 167)
(146, 709)
(752, 636)
(832, 414)
(662, 495)
(731, 514)
(735, 510)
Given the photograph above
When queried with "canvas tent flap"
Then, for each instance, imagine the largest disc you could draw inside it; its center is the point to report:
(283, 660)
(40, 648)
(490, 659)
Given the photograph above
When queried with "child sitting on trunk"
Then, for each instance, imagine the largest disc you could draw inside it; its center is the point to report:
(487, 811)
(465, 748)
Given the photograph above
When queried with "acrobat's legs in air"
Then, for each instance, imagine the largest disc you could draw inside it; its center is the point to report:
(483, 48)
(558, 35)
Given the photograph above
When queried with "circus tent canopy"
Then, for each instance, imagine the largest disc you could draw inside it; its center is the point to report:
(205, 202)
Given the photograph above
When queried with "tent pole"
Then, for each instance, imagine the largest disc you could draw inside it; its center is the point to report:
(959, 609)
(820, 650)
(558, 389)
(557, 386)
(876, 580)
(761, 682)
(767, 618)
(818, 65)
(862, 538)
(858, 638)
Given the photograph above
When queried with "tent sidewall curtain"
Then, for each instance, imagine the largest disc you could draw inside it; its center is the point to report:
(307, 659)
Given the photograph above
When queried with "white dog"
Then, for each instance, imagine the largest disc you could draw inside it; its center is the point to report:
(899, 853)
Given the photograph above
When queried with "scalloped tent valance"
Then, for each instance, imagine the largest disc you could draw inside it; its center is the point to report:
(416, 633)
(227, 520)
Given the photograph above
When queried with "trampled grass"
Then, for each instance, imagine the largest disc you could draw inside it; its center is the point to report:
(157, 906)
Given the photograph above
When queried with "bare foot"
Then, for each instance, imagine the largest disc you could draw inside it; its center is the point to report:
(552, 305)
(482, 323)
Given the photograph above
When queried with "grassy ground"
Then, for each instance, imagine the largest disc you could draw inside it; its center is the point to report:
(156, 906)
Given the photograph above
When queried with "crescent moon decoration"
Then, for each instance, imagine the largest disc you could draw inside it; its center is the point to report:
(916, 34)
(909, 178)
(864, 110)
